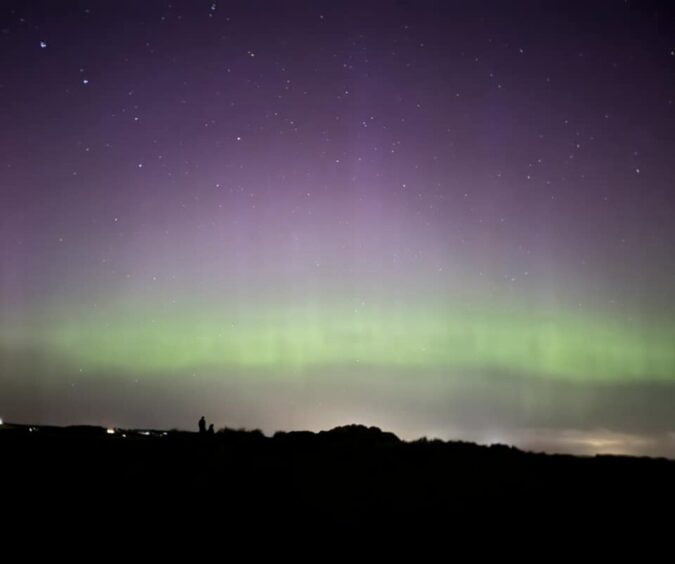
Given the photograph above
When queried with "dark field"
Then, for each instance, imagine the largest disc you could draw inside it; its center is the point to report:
(350, 478)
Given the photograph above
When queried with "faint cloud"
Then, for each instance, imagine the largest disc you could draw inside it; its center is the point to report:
(589, 442)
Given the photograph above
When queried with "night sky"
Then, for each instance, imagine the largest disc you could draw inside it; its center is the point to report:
(452, 219)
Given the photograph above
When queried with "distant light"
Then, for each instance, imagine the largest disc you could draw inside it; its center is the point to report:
(146, 433)
(85, 81)
(43, 44)
(1, 421)
(110, 431)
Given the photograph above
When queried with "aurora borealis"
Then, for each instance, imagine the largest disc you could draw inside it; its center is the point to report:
(451, 219)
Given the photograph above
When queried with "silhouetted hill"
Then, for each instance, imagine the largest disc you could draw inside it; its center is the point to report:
(350, 477)
(351, 435)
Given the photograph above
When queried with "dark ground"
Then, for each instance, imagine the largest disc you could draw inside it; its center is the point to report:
(348, 479)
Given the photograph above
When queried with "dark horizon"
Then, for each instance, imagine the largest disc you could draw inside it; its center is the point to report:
(122, 431)
(354, 435)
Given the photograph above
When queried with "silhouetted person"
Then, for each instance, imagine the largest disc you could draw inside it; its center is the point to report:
(211, 431)
(202, 426)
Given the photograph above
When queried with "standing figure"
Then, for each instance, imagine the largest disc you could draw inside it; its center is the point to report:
(202, 426)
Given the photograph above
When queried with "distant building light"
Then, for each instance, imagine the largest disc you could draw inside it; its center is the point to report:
(110, 431)
(146, 433)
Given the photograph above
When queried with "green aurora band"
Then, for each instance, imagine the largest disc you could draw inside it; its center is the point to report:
(567, 346)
